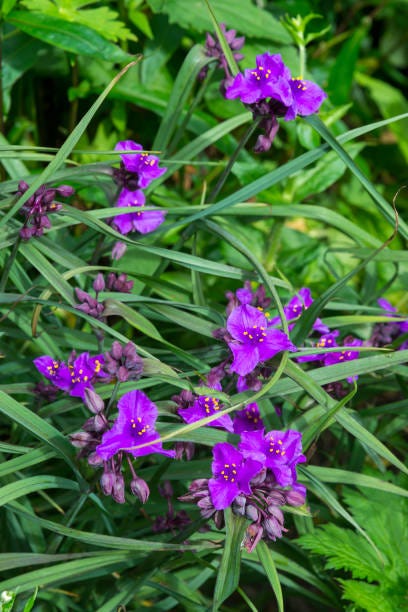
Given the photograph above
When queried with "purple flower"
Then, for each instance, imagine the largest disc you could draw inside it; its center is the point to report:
(386, 333)
(300, 302)
(307, 98)
(134, 426)
(252, 340)
(345, 355)
(75, 377)
(232, 474)
(204, 406)
(280, 451)
(142, 222)
(326, 341)
(137, 170)
(269, 79)
(248, 419)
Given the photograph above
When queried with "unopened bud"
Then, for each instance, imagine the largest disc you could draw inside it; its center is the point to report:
(116, 350)
(252, 513)
(238, 505)
(99, 283)
(252, 536)
(140, 489)
(295, 498)
(118, 489)
(118, 250)
(107, 482)
(93, 401)
(81, 439)
(273, 528)
(65, 191)
(219, 519)
(166, 490)
(95, 460)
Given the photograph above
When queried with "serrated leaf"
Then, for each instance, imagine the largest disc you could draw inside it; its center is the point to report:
(73, 37)
(103, 19)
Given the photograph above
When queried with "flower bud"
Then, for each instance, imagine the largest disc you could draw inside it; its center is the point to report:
(95, 460)
(273, 528)
(81, 439)
(118, 489)
(99, 283)
(93, 401)
(116, 350)
(252, 513)
(166, 490)
(295, 498)
(118, 250)
(107, 481)
(65, 191)
(252, 536)
(219, 519)
(140, 489)
(276, 498)
(238, 505)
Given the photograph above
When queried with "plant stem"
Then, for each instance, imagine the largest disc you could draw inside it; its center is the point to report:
(232, 160)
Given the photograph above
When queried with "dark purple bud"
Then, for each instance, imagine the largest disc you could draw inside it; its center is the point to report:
(83, 296)
(107, 481)
(118, 250)
(259, 478)
(118, 489)
(81, 439)
(295, 498)
(99, 283)
(187, 448)
(95, 460)
(252, 513)
(276, 498)
(22, 186)
(122, 374)
(65, 191)
(93, 401)
(140, 489)
(116, 350)
(273, 528)
(275, 512)
(205, 503)
(252, 536)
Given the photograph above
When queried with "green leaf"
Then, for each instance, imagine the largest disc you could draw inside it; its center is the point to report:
(241, 14)
(342, 73)
(230, 565)
(25, 486)
(73, 37)
(268, 564)
(103, 19)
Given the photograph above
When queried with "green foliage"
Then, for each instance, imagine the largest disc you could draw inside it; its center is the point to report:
(103, 20)
(380, 582)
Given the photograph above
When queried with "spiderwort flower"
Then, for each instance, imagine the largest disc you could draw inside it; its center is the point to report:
(252, 340)
(326, 341)
(280, 451)
(346, 355)
(297, 304)
(74, 378)
(205, 406)
(140, 221)
(271, 92)
(386, 333)
(213, 49)
(232, 474)
(134, 426)
(248, 419)
(137, 170)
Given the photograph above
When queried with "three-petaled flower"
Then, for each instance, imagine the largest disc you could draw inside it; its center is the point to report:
(280, 451)
(203, 407)
(252, 340)
(232, 474)
(134, 429)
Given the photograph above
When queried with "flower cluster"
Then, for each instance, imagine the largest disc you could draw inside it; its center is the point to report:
(270, 91)
(213, 49)
(73, 377)
(91, 305)
(137, 170)
(388, 333)
(254, 479)
(39, 206)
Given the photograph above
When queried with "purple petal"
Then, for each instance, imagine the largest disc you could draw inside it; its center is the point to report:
(246, 358)
(222, 494)
(243, 318)
(148, 221)
(274, 342)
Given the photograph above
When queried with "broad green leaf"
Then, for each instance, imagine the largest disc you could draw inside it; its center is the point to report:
(342, 72)
(242, 15)
(73, 37)
(103, 20)
(268, 564)
(337, 476)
